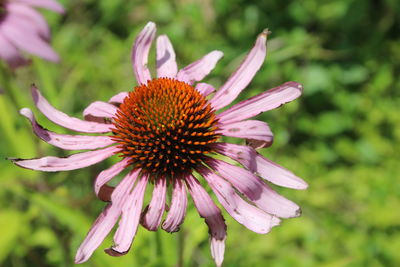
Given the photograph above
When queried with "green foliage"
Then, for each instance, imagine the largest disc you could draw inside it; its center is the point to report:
(342, 136)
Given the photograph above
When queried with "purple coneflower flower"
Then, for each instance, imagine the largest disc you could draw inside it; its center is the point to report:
(22, 28)
(166, 130)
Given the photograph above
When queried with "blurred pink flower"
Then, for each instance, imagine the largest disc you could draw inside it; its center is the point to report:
(22, 28)
(165, 130)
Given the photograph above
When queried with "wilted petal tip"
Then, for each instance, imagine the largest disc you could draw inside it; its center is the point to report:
(16, 162)
(298, 212)
(302, 185)
(26, 112)
(35, 92)
(150, 24)
(296, 85)
(80, 258)
(275, 221)
(266, 32)
(114, 253)
(220, 54)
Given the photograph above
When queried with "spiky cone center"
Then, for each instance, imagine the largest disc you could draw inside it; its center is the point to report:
(165, 127)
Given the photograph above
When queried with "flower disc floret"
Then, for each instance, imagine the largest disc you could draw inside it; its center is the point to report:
(165, 127)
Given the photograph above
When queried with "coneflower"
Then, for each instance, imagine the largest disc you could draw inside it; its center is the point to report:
(23, 29)
(165, 130)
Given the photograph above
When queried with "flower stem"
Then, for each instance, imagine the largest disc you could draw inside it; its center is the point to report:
(159, 248)
(181, 246)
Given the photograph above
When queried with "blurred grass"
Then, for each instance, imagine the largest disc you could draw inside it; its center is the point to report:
(342, 136)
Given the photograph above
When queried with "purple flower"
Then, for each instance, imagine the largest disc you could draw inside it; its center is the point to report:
(166, 130)
(22, 28)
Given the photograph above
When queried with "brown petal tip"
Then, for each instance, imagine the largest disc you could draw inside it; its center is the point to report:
(266, 32)
(114, 253)
(105, 193)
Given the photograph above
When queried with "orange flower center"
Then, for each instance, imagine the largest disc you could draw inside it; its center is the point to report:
(165, 127)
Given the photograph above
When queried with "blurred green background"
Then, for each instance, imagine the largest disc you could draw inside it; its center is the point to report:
(342, 136)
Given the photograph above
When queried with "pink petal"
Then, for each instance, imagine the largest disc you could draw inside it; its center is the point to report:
(205, 89)
(118, 98)
(200, 68)
(243, 75)
(106, 175)
(166, 62)
(99, 230)
(153, 215)
(140, 53)
(251, 217)
(25, 37)
(64, 120)
(107, 219)
(10, 54)
(128, 224)
(48, 4)
(268, 100)
(122, 197)
(100, 109)
(73, 162)
(64, 141)
(212, 215)
(258, 164)
(255, 190)
(32, 16)
(177, 211)
(250, 129)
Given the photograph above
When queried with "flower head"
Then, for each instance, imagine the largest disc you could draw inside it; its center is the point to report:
(166, 130)
(23, 29)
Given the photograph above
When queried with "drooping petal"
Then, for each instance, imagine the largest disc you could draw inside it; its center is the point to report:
(100, 229)
(205, 89)
(118, 98)
(128, 224)
(260, 165)
(250, 129)
(255, 190)
(140, 53)
(166, 59)
(24, 36)
(106, 175)
(73, 162)
(177, 211)
(153, 214)
(100, 109)
(64, 120)
(48, 4)
(32, 16)
(199, 69)
(243, 75)
(107, 219)
(248, 215)
(268, 100)
(277, 174)
(64, 141)
(212, 215)
(10, 54)
(122, 198)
